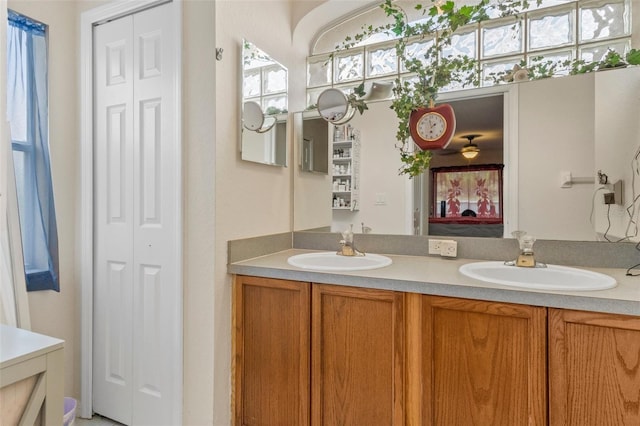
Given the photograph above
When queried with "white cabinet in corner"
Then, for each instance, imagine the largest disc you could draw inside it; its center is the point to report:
(31, 377)
(345, 171)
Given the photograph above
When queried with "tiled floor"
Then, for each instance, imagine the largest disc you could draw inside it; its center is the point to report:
(96, 421)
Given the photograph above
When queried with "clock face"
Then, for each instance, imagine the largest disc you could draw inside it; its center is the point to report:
(431, 126)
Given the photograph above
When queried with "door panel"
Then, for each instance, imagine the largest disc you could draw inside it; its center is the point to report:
(271, 347)
(156, 314)
(113, 280)
(594, 368)
(483, 363)
(136, 219)
(357, 356)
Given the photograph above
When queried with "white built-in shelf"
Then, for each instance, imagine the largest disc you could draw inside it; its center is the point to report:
(345, 177)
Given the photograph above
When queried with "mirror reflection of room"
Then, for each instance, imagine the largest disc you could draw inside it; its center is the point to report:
(315, 143)
(264, 107)
(547, 123)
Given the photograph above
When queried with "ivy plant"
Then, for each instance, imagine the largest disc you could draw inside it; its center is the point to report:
(538, 68)
(433, 71)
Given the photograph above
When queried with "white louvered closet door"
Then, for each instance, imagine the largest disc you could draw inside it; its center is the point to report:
(137, 323)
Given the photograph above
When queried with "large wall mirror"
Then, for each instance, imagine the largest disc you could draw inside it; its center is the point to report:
(541, 131)
(264, 107)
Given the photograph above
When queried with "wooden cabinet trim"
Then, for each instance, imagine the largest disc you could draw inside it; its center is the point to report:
(563, 326)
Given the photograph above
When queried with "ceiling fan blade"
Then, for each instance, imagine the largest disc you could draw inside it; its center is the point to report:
(447, 151)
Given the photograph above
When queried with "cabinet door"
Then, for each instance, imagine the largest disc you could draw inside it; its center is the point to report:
(594, 369)
(357, 356)
(483, 363)
(271, 352)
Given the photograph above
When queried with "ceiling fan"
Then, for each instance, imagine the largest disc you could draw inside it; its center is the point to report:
(470, 150)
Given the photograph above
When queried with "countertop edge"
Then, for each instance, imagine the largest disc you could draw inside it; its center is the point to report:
(275, 266)
(19, 345)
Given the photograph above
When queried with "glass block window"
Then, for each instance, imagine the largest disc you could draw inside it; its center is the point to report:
(556, 56)
(383, 61)
(312, 95)
(275, 79)
(603, 20)
(417, 50)
(264, 80)
(409, 79)
(348, 67)
(251, 83)
(319, 71)
(555, 30)
(456, 85)
(278, 102)
(548, 31)
(501, 39)
(595, 52)
(462, 44)
(502, 65)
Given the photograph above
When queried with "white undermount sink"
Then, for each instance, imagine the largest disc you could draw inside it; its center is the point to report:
(553, 277)
(330, 261)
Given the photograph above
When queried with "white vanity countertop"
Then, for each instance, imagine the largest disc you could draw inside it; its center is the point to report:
(440, 276)
(17, 345)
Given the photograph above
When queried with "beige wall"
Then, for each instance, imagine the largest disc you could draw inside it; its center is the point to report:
(379, 165)
(251, 199)
(199, 165)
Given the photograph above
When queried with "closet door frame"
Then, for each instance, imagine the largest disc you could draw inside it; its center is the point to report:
(87, 21)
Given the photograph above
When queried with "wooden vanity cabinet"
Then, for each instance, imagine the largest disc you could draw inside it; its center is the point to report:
(357, 356)
(475, 362)
(271, 352)
(355, 353)
(317, 354)
(594, 369)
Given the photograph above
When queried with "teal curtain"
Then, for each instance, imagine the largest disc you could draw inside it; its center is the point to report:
(28, 116)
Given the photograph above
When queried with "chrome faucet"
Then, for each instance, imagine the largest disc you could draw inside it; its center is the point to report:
(346, 244)
(526, 258)
(365, 229)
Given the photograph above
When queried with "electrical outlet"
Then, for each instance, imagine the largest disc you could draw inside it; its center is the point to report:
(609, 198)
(449, 248)
(435, 246)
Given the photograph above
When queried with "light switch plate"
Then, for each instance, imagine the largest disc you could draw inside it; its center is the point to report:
(381, 199)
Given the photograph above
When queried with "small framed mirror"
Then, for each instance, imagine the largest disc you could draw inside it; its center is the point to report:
(254, 119)
(334, 107)
(264, 114)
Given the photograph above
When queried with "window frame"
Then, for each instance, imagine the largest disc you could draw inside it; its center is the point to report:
(39, 271)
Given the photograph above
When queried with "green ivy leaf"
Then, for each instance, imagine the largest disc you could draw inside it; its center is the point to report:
(633, 57)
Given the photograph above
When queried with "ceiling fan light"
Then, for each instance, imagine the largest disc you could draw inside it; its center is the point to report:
(470, 152)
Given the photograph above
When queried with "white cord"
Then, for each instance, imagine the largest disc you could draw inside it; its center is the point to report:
(593, 204)
(632, 210)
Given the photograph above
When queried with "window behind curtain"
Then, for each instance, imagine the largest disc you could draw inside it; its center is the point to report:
(27, 110)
